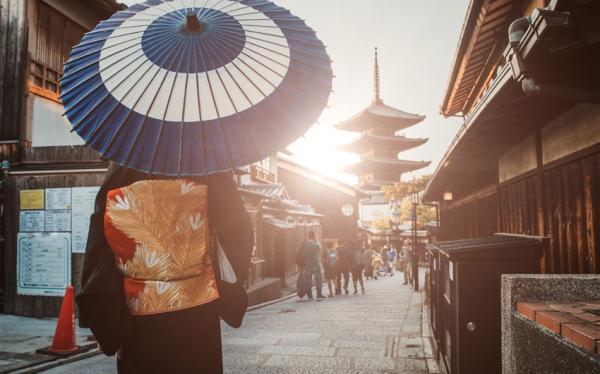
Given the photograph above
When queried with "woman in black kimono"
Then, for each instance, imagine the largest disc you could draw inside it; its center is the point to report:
(165, 259)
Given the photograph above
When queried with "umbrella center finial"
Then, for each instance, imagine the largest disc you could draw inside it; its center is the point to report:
(193, 25)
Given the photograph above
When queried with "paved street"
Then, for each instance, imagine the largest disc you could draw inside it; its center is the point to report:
(379, 332)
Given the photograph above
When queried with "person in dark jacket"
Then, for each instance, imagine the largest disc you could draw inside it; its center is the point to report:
(330, 265)
(312, 262)
(165, 259)
(357, 269)
(345, 265)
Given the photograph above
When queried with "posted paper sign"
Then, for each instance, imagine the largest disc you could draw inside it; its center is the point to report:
(43, 263)
(58, 198)
(58, 220)
(83, 199)
(32, 220)
(31, 199)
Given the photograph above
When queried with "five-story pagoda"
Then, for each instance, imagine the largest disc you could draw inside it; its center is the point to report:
(378, 144)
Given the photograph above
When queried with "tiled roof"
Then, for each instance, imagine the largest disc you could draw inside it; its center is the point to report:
(365, 142)
(380, 115)
(276, 190)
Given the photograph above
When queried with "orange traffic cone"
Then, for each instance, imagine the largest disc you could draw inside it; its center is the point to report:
(64, 336)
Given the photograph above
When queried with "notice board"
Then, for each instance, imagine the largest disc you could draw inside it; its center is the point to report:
(43, 263)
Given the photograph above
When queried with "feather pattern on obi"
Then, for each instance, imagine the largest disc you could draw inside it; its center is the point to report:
(159, 234)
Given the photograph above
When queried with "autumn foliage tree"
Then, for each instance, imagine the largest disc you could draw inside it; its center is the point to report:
(401, 191)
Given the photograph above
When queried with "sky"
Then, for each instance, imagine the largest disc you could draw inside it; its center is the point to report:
(416, 42)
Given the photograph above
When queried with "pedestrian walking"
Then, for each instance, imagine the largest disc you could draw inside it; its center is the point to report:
(392, 255)
(407, 259)
(376, 263)
(301, 282)
(345, 265)
(385, 260)
(368, 262)
(330, 265)
(312, 265)
(165, 261)
(357, 269)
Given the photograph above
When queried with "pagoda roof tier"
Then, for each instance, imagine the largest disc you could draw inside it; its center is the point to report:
(371, 164)
(376, 184)
(380, 115)
(368, 142)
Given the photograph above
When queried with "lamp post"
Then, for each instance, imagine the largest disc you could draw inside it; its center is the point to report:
(414, 199)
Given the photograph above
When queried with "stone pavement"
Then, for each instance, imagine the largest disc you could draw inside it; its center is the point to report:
(379, 332)
(21, 336)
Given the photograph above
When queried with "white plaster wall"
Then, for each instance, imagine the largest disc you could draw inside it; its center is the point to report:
(48, 126)
(520, 159)
(577, 129)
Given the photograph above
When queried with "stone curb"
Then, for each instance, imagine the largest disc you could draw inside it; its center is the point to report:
(271, 302)
(275, 301)
(55, 363)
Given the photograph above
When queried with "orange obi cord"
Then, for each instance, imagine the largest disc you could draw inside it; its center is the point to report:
(158, 232)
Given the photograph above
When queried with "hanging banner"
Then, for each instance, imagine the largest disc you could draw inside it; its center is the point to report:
(43, 263)
(32, 220)
(58, 198)
(31, 199)
(83, 201)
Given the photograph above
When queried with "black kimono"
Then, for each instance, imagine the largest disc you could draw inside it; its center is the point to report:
(159, 300)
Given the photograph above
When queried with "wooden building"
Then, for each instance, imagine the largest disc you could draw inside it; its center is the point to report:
(379, 145)
(281, 226)
(37, 150)
(527, 158)
(338, 202)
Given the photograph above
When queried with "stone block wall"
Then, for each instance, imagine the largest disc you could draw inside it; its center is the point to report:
(529, 347)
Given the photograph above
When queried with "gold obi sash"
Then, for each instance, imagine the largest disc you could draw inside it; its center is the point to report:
(158, 231)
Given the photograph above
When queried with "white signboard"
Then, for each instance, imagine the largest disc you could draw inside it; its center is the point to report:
(58, 198)
(43, 263)
(32, 220)
(58, 220)
(83, 199)
(374, 212)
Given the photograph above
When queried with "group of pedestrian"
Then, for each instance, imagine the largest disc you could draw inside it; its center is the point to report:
(380, 261)
(339, 265)
(345, 262)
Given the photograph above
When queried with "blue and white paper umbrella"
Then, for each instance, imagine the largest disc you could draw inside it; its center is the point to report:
(192, 87)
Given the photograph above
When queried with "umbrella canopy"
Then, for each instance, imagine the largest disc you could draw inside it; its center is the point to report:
(192, 87)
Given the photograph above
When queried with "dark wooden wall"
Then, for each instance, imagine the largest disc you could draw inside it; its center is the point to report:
(519, 203)
(473, 218)
(572, 216)
(13, 55)
(560, 201)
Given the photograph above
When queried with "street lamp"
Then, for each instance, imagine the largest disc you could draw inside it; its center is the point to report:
(414, 199)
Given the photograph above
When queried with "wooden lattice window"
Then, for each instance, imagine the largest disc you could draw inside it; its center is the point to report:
(55, 35)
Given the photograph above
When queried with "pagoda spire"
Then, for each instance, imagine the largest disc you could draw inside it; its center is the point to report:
(376, 80)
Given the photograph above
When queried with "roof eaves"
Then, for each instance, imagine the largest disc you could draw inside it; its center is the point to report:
(463, 41)
(503, 78)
